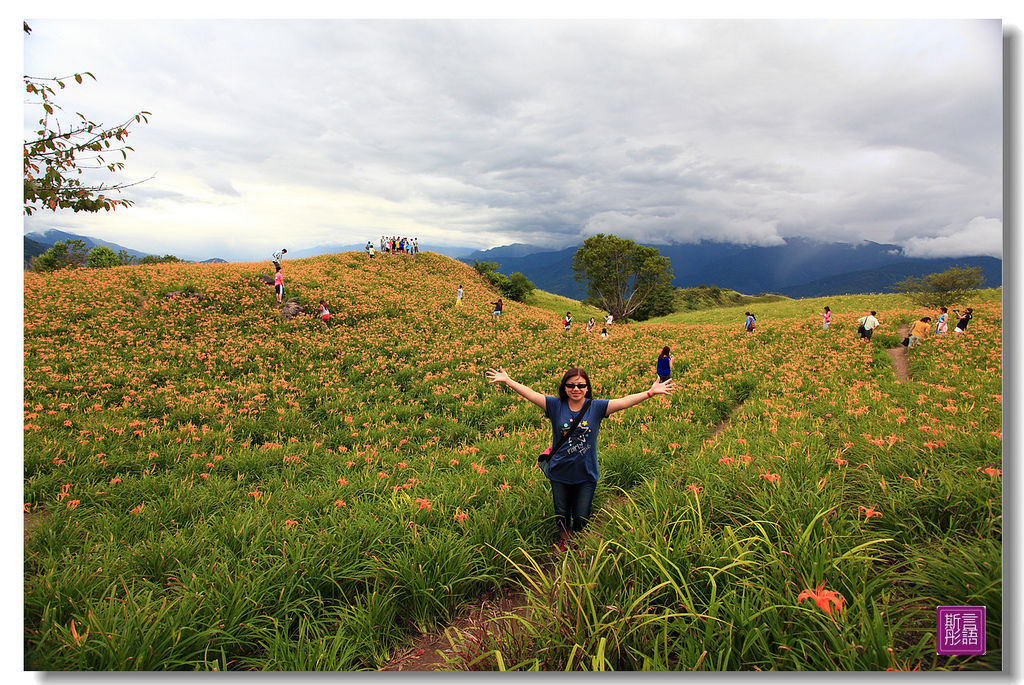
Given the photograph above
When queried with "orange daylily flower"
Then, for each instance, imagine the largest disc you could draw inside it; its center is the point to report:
(825, 599)
(868, 512)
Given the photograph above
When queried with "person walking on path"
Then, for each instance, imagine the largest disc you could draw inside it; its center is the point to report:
(826, 319)
(920, 331)
(942, 325)
(748, 325)
(664, 365)
(965, 319)
(868, 324)
(567, 321)
(278, 258)
(571, 466)
(458, 296)
(279, 284)
(497, 309)
(590, 325)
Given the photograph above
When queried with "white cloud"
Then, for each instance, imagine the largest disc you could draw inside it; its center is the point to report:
(981, 236)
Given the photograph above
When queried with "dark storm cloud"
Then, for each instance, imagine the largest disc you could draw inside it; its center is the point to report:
(491, 132)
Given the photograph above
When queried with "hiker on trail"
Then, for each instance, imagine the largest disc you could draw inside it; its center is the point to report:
(920, 331)
(942, 325)
(608, 321)
(590, 325)
(826, 319)
(325, 313)
(868, 324)
(965, 319)
(415, 246)
(748, 325)
(571, 463)
(664, 365)
(279, 284)
(567, 321)
(458, 296)
(278, 257)
(369, 249)
(497, 309)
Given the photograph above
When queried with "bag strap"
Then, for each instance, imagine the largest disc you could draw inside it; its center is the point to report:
(572, 428)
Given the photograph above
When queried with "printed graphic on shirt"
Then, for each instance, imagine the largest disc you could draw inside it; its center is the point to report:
(578, 441)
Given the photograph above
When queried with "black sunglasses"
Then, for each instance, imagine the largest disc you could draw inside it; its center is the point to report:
(578, 386)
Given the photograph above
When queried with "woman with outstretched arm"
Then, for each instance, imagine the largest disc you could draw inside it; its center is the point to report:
(572, 467)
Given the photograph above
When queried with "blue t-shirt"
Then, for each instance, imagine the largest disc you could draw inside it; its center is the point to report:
(576, 460)
(664, 366)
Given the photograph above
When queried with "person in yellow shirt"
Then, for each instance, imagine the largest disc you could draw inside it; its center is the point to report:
(920, 331)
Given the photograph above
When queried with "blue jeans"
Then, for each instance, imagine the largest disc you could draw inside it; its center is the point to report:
(572, 504)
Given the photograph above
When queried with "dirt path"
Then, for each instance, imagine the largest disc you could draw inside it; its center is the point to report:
(898, 355)
(430, 651)
(33, 519)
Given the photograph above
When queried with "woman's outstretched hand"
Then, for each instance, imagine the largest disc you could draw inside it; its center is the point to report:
(663, 388)
(497, 376)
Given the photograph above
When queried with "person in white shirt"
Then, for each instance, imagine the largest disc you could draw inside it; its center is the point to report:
(278, 256)
(868, 324)
(609, 320)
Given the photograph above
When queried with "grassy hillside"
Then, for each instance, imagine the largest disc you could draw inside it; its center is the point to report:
(209, 485)
(558, 305)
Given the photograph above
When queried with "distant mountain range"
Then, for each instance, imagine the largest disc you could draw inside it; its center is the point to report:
(800, 268)
(37, 243)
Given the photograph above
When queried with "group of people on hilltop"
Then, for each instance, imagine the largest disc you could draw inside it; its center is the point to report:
(867, 324)
(394, 245)
(591, 324)
(919, 331)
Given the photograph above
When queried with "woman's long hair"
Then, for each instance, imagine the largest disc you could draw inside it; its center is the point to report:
(571, 373)
(664, 352)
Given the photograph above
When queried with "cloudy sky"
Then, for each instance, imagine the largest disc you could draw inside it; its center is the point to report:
(482, 133)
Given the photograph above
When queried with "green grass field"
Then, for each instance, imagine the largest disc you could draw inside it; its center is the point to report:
(210, 486)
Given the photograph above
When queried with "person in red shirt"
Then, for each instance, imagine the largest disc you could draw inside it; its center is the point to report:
(279, 284)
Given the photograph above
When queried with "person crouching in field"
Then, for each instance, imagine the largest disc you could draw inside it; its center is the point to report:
(575, 420)
(920, 331)
(325, 313)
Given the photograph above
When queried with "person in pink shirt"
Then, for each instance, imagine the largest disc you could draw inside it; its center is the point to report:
(826, 318)
(279, 284)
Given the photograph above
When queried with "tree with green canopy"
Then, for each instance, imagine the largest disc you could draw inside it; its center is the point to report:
(942, 289)
(621, 276)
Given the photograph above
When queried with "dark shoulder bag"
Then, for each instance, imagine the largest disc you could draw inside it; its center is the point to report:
(545, 456)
